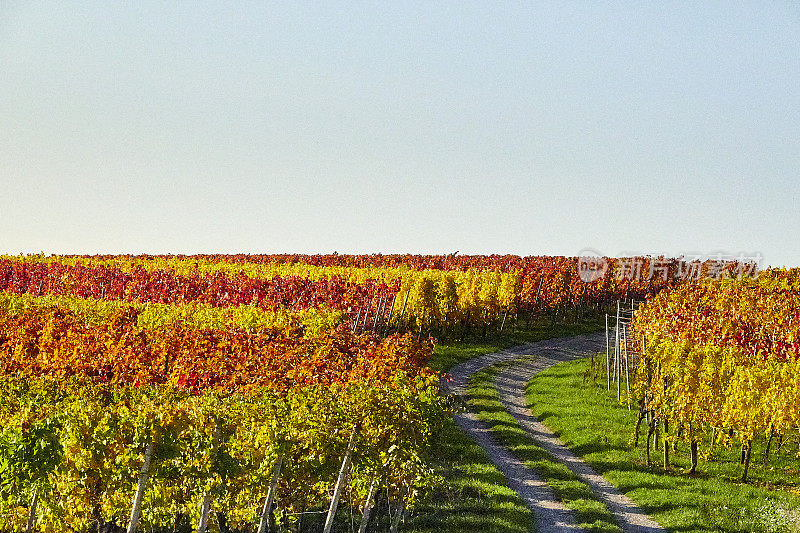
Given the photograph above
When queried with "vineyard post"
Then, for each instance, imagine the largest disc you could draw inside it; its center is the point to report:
(405, 301)
(263, 524)
(666, 444)
(136, 511)
(32, 512)
(206, 506)
(358, 317)
(373, 488)
(389, 318)
(366, 314)
(616, 350)
(608, 358)
(643, 358)
(615, 366)
(504, 321)
(337, 490)
(378, 311)
(401, 509)
(627, 373)
(583, 302)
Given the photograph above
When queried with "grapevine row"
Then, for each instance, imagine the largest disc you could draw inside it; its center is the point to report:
(723, 358)
(470, 290)
(84, 404)
(76, 449)
(42, 341)
(194, 315)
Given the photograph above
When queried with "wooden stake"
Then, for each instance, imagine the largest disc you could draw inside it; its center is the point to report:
(401, 509)
(266, 510)
(373, 488)
(389, 318)
(405, 301)
(136, 511)
(627, 373)
(366, 314)
(205, 508)
(378, 311)
(337, 490)
(616, 351)
(32, 511)
(656, 436)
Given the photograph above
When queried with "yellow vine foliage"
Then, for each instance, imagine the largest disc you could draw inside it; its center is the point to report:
(724, 354)
(430, 296)
(195, 315)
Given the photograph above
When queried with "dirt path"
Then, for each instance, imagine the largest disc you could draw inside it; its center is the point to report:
(551, 515)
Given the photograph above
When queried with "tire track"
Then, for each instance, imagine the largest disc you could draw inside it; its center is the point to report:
(551, 515)
(511, 384)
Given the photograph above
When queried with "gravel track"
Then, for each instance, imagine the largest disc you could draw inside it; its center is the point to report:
(551, 515)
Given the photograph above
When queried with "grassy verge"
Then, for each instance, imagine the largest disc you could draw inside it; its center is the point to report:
(449, 354)
(594, 426)
(475, 496)
(592, 514)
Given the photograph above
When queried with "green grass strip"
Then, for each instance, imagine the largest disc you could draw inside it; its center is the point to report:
(475, 496)
(591, 422)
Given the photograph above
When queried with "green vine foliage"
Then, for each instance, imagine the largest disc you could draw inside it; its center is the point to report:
(80, 445)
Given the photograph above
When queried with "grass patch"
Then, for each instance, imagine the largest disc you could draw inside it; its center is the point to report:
(591, 514)
(475, 497)
(448, 354)
(597, 428)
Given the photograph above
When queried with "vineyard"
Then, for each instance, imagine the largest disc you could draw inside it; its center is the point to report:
(155, 391)
(430, 294)
(721, 362)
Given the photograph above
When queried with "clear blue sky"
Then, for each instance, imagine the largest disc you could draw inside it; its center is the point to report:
(520, 127)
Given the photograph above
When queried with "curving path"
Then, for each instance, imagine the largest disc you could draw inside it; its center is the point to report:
(551, 515)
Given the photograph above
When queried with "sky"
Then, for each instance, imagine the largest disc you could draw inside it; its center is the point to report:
(533, 128)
